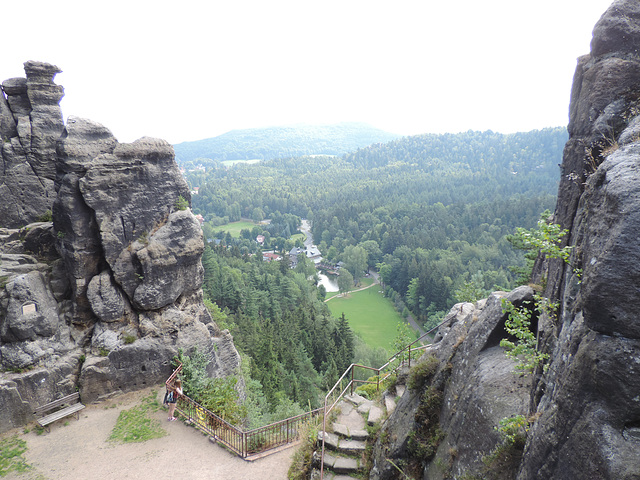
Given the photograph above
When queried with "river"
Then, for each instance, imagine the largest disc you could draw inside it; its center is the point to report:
(330, 283)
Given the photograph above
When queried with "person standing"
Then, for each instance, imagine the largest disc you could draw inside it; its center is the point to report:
(172, 399)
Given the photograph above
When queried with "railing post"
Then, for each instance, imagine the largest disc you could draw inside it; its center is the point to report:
(409, 356)
(245, 447)
(324, 434)
(352, 369)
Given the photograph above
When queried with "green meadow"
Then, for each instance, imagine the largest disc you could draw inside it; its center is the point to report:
(234, 227)
(370, 315)
(297, 236)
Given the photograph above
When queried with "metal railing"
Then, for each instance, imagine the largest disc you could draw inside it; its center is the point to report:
(402, 357)
(243, 443)
(263, 439)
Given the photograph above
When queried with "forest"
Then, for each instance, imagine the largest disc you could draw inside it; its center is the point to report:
(293, 349)
(433, 214)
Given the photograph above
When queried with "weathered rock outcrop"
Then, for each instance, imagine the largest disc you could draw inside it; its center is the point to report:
(588, 404)
(30, 124)
(477, 387)
(585, 406)
(103, 297)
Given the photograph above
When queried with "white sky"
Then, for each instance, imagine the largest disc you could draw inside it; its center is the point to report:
(188, 70)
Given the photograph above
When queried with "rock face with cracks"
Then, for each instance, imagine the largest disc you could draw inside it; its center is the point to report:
(103, 297)
(584, 407)
(30, 125)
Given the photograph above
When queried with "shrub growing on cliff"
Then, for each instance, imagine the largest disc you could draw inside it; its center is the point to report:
(46, 216)
(181, 203)
(514, 429)
(216, 394)
(545, 239)
(422, 372)
(518, 324)
(425, 439)
(503, 461)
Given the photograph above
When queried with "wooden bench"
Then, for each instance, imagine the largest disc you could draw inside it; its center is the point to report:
(63, 407)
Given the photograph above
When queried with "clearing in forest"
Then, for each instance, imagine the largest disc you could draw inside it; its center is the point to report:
(370, 315)
(234, 227)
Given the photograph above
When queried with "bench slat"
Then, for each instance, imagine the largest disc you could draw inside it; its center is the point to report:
(44, 421)
(74, 397)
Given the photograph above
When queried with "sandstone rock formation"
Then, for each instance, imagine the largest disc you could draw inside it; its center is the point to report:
(585, 406)
(588, 403)
(30, 125)
(476, 386)
(103, 297)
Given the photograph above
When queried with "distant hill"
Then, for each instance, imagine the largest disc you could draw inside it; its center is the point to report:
(282, 142)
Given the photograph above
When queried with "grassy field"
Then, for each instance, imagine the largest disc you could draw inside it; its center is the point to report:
(300, 236)
(234, 227)
(135, 424)
(370, 315)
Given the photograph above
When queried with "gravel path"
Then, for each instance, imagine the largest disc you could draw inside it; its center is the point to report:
(79, 449)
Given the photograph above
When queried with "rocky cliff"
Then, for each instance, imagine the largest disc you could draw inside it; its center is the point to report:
(102, 297)
(584, 406)
(30, 125)
(588, 403)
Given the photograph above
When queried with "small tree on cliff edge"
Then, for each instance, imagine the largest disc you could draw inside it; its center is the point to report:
(545, 238)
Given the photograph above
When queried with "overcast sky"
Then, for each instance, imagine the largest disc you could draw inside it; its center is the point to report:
(187, 70)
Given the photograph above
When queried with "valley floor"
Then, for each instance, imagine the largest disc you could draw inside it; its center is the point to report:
(79, 449)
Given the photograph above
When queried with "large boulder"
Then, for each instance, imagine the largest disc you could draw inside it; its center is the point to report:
(77, 235)
(31, 330)
(107, 301)
(170, 262)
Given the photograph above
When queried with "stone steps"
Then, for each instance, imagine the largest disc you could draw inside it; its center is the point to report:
(345, 446)
(342, 444)
(328, 475)
(338, 464)
(354, 433)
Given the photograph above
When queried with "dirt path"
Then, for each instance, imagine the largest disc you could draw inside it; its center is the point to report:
(340, 295)
(79, 449)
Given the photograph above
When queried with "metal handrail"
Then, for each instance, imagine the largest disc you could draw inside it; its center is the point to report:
(256, 441)
(243, 443)
(408, 348)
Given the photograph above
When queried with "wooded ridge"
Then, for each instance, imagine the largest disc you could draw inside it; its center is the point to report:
(435, 209)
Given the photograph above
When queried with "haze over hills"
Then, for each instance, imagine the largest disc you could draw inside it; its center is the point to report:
(282, 141)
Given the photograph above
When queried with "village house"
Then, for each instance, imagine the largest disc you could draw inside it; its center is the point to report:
(270, 257)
